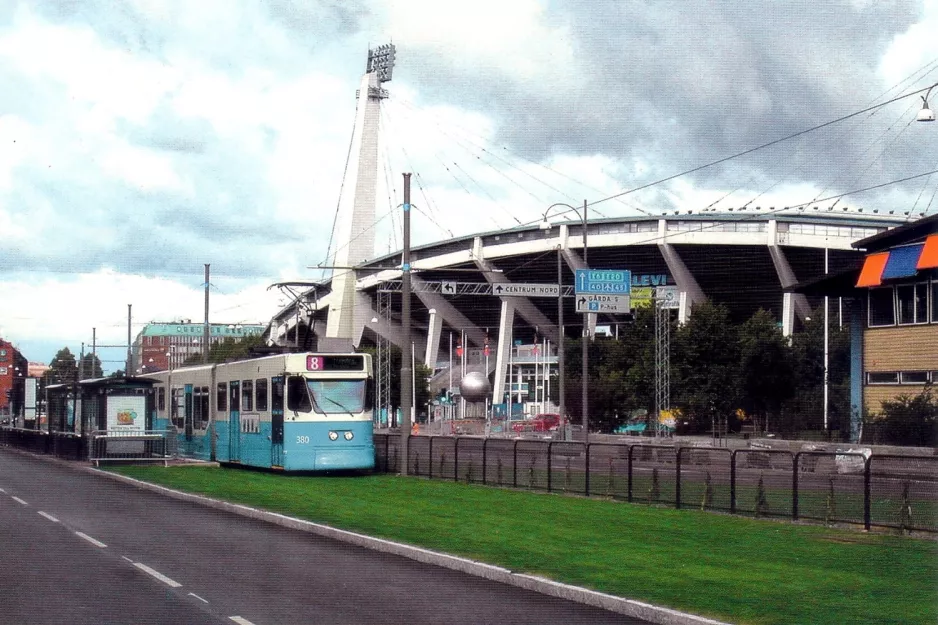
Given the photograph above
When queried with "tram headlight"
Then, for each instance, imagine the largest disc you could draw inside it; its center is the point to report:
(349, 436)
(333, 435)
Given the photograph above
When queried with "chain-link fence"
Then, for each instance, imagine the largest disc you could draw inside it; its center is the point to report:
(834, 487)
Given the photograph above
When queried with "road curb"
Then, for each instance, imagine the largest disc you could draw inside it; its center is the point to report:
(628, 607)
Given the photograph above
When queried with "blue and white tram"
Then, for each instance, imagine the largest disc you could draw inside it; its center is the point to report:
(291, 412)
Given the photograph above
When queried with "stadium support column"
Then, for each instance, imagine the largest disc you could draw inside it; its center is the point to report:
(792, 303)
(434, 330)
(506, 323)
(691, 293)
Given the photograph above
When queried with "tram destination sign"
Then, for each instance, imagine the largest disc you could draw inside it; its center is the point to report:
(597, 303)
(606, 281)
(526, 290)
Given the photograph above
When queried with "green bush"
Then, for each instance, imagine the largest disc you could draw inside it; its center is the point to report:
(910, 420)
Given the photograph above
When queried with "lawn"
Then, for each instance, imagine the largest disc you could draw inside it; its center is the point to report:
(734, 569)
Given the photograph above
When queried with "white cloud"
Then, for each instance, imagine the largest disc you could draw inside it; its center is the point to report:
(914, 49)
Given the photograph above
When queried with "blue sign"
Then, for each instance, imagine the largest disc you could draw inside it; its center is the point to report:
(607, 281)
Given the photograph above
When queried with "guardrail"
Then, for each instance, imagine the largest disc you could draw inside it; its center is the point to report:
(130, 446)
(839, 486)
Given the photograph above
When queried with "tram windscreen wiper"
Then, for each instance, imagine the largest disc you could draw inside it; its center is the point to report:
(332, 401)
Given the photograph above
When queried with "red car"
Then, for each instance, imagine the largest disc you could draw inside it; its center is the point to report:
(544, 422)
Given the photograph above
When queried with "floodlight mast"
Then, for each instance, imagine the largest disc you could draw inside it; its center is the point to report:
(381, 62)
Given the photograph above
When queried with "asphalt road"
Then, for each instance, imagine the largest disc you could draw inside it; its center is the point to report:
(81, 548)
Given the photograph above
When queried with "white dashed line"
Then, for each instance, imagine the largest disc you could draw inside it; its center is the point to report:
(169, 582)
(3, 491)
(128, 559)
(198, 597)
(17, 499)
(48, 516)
(240, 621)
(96, 543)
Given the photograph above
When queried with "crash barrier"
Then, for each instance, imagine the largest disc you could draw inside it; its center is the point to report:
(841, 486)
(131, 446)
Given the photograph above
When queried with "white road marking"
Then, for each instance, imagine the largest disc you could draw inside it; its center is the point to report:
(96, 543)
(48, 516)
(128, 559)
(3, 491)
(198, 597)
(240, 621)
(20, 501)
(169, 582)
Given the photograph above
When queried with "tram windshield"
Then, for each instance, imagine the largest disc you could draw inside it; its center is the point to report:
(338, 396)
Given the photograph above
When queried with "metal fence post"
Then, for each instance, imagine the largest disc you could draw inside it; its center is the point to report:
(733, 481)
(485, 445)
(456, 460)
(677, 479)
(794, 486)
(430, 466)
(549, 463)
(629, 498)
(867, 492)
(586, 486)
(514, 465)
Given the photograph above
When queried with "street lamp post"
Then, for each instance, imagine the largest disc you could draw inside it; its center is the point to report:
(585, 335)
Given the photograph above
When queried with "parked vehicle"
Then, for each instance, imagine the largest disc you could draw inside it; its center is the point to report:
(544, 422)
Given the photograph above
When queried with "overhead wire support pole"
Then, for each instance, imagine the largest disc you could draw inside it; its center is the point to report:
(407, 364)
(585, 338)
(205, 330)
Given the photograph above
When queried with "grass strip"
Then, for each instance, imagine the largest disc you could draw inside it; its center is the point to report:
(734, 569)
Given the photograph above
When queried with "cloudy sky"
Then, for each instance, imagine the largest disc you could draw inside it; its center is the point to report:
(141, 139)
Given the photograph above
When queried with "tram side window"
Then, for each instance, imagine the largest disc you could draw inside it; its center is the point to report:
(260, 388)
(177, 399)
(161, 398)
(247, 395)
(298, 394)
(221, 397)
(200, 414)
(276, 394)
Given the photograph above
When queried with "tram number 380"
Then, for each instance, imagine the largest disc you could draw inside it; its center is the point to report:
(302, 440)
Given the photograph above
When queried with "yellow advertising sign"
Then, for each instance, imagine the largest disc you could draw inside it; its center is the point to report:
(642, 296)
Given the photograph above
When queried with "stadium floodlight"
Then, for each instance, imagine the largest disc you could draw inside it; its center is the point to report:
(381, 62)
(926, 114)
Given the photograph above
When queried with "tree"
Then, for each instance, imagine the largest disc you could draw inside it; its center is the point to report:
(805, 409)
(89, 366)
(422, 375)
(62, 370)
(227, 350)
(705, 368)
(766, 371)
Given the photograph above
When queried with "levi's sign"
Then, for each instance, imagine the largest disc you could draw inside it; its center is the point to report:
(526, 290)
(608, 281)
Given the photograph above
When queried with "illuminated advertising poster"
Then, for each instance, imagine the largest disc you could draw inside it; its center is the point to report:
(126, 413)
(29, 406)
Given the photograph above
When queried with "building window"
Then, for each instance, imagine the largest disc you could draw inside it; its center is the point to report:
(161, 398)
(882, 309)
(913, 377)
(882, 377)
(934, 302)
(912, 303)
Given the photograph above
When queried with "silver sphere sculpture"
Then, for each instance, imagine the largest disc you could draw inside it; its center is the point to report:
(475, 386)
